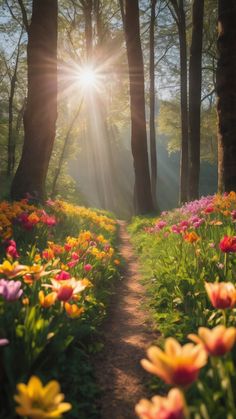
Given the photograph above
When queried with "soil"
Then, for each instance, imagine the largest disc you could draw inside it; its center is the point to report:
(127, 335)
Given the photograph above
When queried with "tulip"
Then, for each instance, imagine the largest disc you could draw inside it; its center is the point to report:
(176, 365)
(10, 290)
(36, 401)
(12, 270)
(73, 311)
(170, 407)
(221, 294)
(47, 300)
(62, 276)
(4, 342)
(217, 341)
(87, 267)
(191, 237)
(228, 244)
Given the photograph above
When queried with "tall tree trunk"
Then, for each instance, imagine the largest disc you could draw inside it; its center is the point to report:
(195, 84)
(184, 104)
(142, 189)
(226, 93)
(41, 110)
(11, 137)
(87, 10)
(153, 151)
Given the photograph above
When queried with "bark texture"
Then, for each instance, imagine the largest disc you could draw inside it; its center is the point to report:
(226, 93)
(153, 149)
(142, 189)
(195, 84)
(184, 104)
(41, 110)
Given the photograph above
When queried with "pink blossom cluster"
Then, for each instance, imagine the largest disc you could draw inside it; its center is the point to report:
(194, 207)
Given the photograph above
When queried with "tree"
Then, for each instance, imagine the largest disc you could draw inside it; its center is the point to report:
(142, 189)
(153, 151)
(178, 13)
(195, 82)
(41, 109)
(226, 94)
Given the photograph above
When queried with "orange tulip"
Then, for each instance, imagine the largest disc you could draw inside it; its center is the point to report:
(47, 300)
(221, 294)
(73, 310)
(191, 237)
(217, 341)
(172, 406)
(176, 365)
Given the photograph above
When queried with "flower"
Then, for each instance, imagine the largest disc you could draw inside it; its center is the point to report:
(217, 341)
(228, 244)
(170, 407)
(11, 250)
(177, 365)
(67, 289)
(38, 402)
(191, 237)
(73, 310)
(10, 290)
(12, 270)
(87, 267)
(4, 342)
(62, 276)
(221, 294)
(47, 300)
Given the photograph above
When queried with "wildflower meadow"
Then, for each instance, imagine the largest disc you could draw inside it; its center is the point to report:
(188, 261)
(58, 264)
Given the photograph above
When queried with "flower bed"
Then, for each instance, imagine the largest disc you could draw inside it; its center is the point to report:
(188, 259)
(56, 271)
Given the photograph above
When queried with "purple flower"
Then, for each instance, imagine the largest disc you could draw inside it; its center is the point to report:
(4, 342)
(10, 290)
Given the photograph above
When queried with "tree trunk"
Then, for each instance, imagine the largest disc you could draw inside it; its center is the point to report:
(226, 94)
(153, 151)
(195, 84)
(87, 10)
(142, 189)
(11, 138)
(41, 109)
(184, 104)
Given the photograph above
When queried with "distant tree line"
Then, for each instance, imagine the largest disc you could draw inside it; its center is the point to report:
(178, 35)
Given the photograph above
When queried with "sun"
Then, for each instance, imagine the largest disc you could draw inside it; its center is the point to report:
(88, 77)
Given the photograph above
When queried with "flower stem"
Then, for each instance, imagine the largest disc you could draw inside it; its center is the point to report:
(226, 265)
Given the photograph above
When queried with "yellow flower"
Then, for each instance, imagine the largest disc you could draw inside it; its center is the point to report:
(176, 365)
(38, 402)
(12, 270)
(172, 406)
(217, 341)
(47, 300)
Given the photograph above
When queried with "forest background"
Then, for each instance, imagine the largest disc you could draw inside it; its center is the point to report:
(91, 161)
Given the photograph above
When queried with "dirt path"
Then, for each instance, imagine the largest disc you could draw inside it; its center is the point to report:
(126, 337)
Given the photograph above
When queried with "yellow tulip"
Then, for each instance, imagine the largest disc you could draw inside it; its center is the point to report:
(38, 402)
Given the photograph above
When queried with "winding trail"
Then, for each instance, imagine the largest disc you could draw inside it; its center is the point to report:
(126, 338)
